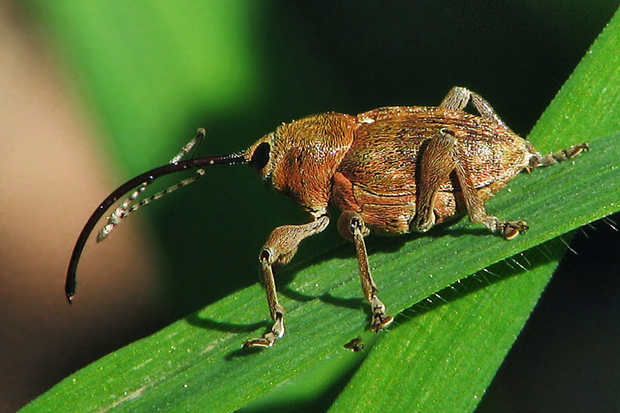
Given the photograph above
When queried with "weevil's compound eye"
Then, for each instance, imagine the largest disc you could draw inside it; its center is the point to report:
(260, 157)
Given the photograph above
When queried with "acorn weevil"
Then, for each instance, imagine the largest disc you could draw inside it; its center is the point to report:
(391, 170)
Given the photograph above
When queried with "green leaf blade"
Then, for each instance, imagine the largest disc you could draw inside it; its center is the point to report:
(199, 361)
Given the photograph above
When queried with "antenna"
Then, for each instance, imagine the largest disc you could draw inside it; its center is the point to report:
(141, 182)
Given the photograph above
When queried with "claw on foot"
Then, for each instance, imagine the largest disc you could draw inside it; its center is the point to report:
(380, 319)
(263, 342)
(379, 322)
(267, 340)
(510, 229)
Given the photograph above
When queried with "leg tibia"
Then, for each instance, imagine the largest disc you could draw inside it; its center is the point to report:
(477, 212)
(351, 226)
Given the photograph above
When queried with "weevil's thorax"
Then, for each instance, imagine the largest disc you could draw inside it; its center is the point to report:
(300, 158)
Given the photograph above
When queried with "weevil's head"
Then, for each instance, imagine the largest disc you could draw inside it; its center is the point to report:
(299, 159)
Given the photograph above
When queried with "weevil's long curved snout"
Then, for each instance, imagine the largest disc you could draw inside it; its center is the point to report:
(138, 181)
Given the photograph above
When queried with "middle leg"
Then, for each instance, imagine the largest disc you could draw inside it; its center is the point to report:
(351, 226)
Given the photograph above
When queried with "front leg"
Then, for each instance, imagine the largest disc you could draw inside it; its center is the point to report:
(279, 249)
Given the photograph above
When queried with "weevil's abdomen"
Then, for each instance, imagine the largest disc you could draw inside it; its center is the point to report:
(378, 176)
